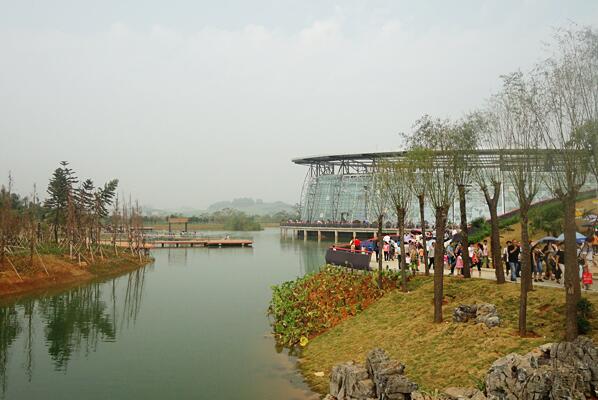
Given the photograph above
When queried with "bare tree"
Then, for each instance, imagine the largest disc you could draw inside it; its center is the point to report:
(463, 141)
(397, 179)
(523, 137)
(565, 105)
(379, 203)
(490, 182)
(430, 146)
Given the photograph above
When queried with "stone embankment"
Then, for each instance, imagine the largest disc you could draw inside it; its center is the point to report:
(554, 371)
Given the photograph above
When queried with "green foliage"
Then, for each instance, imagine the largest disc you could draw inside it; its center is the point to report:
(547, 218)
(479, 383)
(585, 310)
(480, 230)
(314, 303)
(239, 221)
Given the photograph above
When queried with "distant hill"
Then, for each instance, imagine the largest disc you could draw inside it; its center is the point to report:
(247, 205)
(252, 206)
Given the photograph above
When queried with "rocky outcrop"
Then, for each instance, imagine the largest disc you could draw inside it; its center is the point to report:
(455, 393)
(554, 371)
(351, 381)
(382, 378)
(565, 370)
(480, 313)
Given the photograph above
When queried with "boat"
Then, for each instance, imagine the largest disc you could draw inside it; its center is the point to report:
(345, 257)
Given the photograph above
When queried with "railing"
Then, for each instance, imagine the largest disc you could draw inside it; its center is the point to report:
(362, 251)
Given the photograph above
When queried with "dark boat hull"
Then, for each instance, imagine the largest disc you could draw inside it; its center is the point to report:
(348, 259)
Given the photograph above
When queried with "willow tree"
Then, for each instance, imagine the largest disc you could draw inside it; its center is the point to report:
(379, 203)
(565, 106)
(397, 179)
(522, 136)
(490, 181)
(430, 147)
(463, 141)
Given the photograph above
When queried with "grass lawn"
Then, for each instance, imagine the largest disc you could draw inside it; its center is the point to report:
(440, 355)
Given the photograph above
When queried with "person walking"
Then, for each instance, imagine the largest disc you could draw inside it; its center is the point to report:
(450, 252)
(560, 266)
(459, 265)
(431, 254)
(537, 263)
(513, 258)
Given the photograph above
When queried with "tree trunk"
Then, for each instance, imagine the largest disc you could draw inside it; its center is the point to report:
(420, 198)
(526, 272)
(464, 236)
(403, 262)
(56, 231)
(380, 250)
(495, 233)
(572, 288)
(439, 262)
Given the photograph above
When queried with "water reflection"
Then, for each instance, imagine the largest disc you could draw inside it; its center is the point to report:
(311, 254)
(75, 321)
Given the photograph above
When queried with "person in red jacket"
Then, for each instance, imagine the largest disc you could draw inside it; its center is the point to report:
(586, 278)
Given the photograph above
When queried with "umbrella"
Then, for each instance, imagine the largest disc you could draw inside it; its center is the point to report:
(579, 238)
(548, 239)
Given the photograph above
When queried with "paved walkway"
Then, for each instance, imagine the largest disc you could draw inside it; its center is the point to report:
(487, 273)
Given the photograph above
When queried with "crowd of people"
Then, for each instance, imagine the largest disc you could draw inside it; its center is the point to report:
(547, 259)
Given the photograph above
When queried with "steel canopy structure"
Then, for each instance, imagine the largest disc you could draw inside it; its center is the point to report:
(336, 187)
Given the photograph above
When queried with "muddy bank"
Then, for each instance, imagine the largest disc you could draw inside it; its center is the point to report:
(61, 273)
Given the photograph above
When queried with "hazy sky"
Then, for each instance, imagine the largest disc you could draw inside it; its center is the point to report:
(190, 102)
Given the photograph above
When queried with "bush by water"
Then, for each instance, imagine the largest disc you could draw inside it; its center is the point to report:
(308, 306)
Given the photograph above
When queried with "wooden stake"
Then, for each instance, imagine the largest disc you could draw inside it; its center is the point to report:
(13, 267)
(41, 261)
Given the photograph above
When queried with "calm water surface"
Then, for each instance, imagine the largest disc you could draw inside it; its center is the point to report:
(192, 325)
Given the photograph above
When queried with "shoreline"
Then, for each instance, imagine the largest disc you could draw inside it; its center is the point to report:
(63, 274)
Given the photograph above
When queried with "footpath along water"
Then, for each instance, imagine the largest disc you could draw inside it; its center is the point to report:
(192, 325)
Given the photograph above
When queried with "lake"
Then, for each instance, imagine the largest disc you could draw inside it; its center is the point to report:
(191, 325)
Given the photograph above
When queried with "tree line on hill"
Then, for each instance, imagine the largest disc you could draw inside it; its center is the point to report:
(230, 219)
(70, 220)
(541, 125)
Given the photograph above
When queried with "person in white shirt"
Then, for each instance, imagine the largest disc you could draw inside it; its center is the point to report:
(431, 254)
(485, 258)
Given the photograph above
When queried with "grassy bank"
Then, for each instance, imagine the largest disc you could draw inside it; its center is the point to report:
(439, 355)
(61, 271)
(509, 223)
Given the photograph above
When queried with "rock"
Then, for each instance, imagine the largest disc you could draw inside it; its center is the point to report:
(381, 379)
(421, 396)
(464, 313)
(566, 370)
(481, 313)
(388, 376)
(454, 393)
(351, 381)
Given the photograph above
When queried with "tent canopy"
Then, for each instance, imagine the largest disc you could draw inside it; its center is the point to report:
(579, 238)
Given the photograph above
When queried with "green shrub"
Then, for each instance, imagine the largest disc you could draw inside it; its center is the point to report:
(584, 313)
(308, 306)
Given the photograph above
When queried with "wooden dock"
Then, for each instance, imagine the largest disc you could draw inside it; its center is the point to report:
(184, 243)
(200, 243)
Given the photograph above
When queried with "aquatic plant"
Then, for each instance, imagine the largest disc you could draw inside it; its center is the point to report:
(308, 306)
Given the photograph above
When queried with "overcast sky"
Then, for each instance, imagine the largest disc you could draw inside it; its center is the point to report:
(190, 102)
